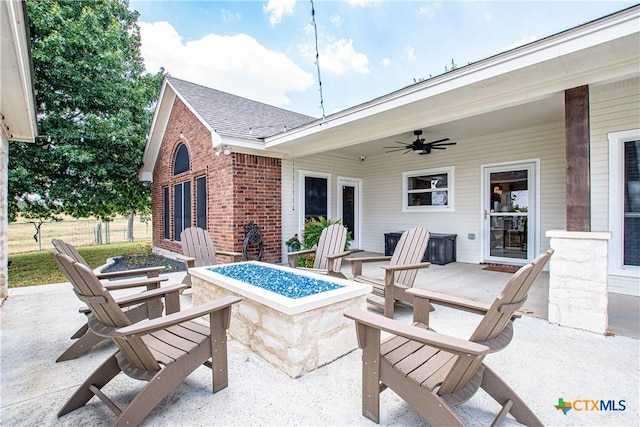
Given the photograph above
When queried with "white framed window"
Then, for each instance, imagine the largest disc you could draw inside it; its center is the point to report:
(624, 203)
(315, 195)
(428, 190)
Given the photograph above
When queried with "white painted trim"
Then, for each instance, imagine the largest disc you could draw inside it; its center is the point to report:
(301, 175)
(357, 239)
(616, 203)
(533, 241)
(449, 207)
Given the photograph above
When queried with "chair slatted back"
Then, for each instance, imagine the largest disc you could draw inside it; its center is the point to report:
(495, 328)
(332, 240)
(197, 243)
(68, 249)
(409, 250)
(106, 315)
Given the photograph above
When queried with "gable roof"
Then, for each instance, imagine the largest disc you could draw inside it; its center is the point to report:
(235, 116)
(231, 119)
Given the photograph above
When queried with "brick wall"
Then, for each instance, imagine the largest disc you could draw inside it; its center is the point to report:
(240, 188)
(257, 197)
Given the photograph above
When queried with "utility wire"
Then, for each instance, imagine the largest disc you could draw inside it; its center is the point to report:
(315, 30)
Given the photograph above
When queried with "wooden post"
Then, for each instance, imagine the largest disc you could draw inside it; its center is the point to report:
(576, 104)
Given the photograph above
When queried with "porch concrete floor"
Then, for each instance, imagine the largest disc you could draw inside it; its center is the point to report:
(543, 363)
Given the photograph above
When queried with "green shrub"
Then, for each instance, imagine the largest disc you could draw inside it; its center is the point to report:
(311, 235)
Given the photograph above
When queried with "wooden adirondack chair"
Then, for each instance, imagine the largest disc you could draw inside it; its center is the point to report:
(66, 248)
(435, 372)
(85, 339)
(162, 351)
(329, 252)
(198, 250)
(399, 274)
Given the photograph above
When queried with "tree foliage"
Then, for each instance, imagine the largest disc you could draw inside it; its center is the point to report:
(94, 106)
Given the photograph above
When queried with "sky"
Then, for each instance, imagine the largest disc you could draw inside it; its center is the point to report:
(266, 50)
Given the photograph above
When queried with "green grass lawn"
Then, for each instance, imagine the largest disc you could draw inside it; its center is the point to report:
(38, 268)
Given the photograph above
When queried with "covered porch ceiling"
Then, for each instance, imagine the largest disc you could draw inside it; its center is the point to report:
(520, 88)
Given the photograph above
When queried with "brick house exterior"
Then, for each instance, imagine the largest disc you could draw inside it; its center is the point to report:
(240, 186)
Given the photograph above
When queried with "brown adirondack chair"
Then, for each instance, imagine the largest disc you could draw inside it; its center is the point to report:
(399, 274)
(198, 250)
(434, 372)
(162, 351)
(67, 248)
(329, 252)
(85, 339)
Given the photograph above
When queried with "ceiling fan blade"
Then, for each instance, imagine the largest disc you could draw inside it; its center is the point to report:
(440, 140)
(438, 148)
(442, 144)
(395, 149)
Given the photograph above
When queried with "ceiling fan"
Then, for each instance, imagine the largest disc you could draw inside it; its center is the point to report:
(419, 146)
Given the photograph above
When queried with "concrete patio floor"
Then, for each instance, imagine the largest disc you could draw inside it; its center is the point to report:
(543, 363)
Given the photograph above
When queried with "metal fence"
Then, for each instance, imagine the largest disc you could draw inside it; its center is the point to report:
(25, 237)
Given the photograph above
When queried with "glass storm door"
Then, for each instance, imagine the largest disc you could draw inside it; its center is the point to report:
(509, 212)
(349, 207)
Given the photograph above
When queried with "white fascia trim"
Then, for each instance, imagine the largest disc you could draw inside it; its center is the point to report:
(156, 132)
(19, 34)
(547, 49)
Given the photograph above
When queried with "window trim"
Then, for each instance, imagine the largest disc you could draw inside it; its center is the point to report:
(616, 203)
(185, 205)
(302, 174)
(449, 207)
(201, 203)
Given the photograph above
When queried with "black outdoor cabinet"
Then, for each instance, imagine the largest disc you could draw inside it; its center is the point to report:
(441, 249)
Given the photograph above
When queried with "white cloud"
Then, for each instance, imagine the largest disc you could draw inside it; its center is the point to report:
(336, 20)
(362, 3)
(409, 54)
(488, 17)
(386, 62)
(235, 64)
(430, 9)
(340, 57)
(277, 9)
(524, 40)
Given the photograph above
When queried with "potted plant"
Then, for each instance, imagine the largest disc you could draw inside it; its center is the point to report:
(293, 244)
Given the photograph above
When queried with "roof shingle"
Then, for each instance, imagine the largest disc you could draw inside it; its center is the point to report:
(235, 116)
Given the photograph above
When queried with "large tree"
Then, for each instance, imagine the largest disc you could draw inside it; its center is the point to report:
(95, 103)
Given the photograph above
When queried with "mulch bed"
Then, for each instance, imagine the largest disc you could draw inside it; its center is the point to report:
(130, 262)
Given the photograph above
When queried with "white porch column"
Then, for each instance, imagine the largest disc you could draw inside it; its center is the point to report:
(4, 221)
(578, 279)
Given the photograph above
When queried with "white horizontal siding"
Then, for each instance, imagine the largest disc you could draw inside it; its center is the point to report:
(382, 210)
(614, 107)
(325, 163)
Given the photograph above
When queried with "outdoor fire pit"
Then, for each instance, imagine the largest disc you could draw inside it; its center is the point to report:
(291, 318)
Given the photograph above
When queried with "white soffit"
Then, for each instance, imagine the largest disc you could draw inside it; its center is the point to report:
(602, 50)
(16, 90)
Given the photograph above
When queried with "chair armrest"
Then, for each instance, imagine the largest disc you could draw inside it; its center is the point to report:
(150, 295)
(369, 259)
(148, 271)
(447, 343)
(406, 266)
(356, 263)
(234, 256)
(338, 255)
(148, 326)
(153, 282)
(450, 301)
(302, 252)
(293, 256)
(184, 258)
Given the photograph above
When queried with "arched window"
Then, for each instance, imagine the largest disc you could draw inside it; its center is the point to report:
(181, 160)
(181, 193)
